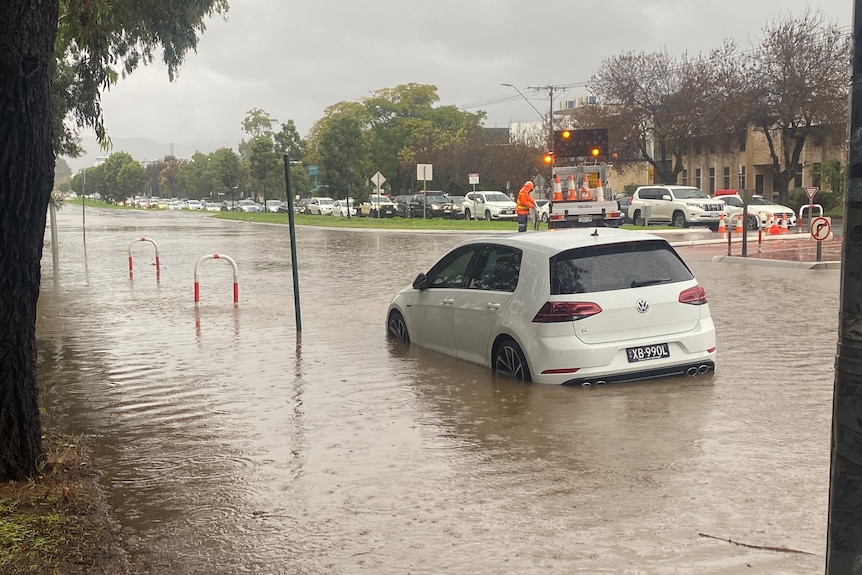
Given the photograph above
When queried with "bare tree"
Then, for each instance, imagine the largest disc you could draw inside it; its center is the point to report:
(654, 104)
(798, 80)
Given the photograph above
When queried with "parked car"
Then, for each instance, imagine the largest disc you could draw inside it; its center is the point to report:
(320, 205)
(591, 306)
(343, 207)
(681, 206)
(624, 202)
(250, 206)
(175, 205)
(759, 211)
(430, 205)
(457, 207)
(489, 205)
(543, 208)
(211, 207)
(377, 206)
(273, 205)
(194, 205)
(402, 205)
(229, 206)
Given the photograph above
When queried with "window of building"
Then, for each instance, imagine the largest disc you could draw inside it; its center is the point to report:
(726, 177)
(741, 177)
(711, 181)
(816, 175)
(685, 177)
(697, 177)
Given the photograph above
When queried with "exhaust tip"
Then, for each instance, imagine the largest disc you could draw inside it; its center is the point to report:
(691, 371)
(601, 382)
(586, 384)
(703, 368)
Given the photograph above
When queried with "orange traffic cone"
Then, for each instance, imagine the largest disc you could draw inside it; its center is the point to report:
(774, 230)
(558, 189)
(600, 192)
(784, 228)
(738, 224)
(586, 194)
(572, 194)
(721, 227)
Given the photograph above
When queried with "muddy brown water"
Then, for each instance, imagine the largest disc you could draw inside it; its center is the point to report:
(230, 445)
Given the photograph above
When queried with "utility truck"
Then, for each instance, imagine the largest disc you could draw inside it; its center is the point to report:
(581, 196)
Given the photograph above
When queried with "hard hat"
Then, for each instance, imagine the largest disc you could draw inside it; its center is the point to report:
(528, 184)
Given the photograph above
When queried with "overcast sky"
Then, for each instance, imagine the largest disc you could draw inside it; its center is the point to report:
(293, 59)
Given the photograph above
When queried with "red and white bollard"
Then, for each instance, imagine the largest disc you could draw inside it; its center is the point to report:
(235, 273)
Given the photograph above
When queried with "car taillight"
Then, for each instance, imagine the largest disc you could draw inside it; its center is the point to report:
(693, 295)
(557, 311)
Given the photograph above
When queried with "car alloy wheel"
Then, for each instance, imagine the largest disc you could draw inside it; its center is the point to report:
(509, 361)
(397, 328)
(679, 220)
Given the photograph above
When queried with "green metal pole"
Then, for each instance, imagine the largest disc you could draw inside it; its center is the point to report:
(844, 532)
(292, 228)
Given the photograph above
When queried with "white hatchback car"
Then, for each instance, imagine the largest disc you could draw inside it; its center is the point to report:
(581, 306)
(319, 206)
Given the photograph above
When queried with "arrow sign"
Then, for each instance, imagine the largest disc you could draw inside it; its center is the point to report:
(821, 228)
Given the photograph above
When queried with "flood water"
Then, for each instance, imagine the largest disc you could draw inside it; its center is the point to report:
(231, 445)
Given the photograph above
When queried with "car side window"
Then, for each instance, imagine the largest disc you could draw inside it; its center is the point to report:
(498, 268)
(450, 271)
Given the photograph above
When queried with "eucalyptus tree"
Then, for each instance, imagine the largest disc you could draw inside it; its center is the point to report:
(56, 59)
(798, 82)
(339, 144)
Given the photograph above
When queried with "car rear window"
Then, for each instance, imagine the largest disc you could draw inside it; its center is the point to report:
(616, 266)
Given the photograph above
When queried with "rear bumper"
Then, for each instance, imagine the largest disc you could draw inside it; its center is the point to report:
(691, 369)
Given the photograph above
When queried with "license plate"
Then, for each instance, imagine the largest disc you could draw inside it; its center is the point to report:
(645, 352)
(585, 219)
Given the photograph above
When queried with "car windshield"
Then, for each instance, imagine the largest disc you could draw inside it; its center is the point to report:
(435, 198)
(690, 194)
(497, 197)
(616, 266)
(380, 200)
(761, 201)
(325, 200)
(732, 201)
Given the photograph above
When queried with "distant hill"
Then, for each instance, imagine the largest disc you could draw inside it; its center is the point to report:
(141, 149)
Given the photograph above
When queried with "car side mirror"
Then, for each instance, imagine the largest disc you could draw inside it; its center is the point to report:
(666, 197)
(421, 282)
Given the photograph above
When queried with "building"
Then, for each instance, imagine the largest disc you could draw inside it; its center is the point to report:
(750, 166)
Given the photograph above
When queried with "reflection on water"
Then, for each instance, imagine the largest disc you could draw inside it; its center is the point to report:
(231, 444)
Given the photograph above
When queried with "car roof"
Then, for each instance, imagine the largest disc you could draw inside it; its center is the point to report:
(561, 240)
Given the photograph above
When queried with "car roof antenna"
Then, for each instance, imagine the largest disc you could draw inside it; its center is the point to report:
(595, 233)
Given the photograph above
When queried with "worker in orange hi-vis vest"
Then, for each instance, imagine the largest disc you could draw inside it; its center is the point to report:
(523, 205)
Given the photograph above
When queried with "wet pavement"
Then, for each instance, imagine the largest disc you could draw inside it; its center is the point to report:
(230, 443)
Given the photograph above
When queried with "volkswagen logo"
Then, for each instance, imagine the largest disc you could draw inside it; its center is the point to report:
(642, 306)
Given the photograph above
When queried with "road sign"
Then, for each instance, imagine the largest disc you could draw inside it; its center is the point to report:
(423, 172)
(821, 228)
(474, 178)
(378, 179)
(811, 192)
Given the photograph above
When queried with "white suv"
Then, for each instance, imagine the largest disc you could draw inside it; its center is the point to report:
(681, 206)
(488, 206)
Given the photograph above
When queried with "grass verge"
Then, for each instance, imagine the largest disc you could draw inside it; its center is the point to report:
(59, 522)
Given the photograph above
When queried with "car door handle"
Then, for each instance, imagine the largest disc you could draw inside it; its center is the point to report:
(493, 305)
(448, 301)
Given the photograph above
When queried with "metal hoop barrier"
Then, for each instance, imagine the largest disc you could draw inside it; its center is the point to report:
(810, 215)
(217, 257)
(155, 245)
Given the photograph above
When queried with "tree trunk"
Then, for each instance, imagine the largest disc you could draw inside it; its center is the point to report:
(27, 32)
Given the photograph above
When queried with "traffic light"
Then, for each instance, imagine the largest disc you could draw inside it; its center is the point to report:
(590, 144)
